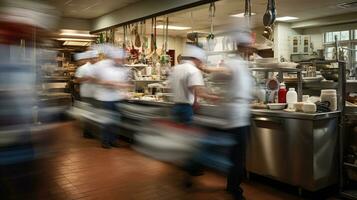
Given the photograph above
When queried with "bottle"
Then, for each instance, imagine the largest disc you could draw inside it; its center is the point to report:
(282, 93)
(291, 98)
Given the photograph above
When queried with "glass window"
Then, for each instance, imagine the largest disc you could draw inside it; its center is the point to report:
(336, 34)
(355, 34)
(355, 47)
(345, 35)
(328, 37)
(330, 53)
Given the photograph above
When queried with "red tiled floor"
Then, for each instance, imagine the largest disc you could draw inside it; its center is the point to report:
(79, 168)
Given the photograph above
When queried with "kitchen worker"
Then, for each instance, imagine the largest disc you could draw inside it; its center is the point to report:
(111, 77)
(186, 81)
(85, 76)
(237, 107)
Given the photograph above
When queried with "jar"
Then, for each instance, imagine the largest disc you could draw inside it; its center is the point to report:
(291, 98)
(331, 97)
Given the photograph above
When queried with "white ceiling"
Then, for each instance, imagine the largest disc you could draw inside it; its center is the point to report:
(88, 9)
(198, 17)
(303, 9)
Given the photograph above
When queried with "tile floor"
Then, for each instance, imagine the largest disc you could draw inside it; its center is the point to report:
(79, 168)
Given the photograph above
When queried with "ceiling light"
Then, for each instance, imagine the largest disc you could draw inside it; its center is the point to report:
(180, 28)
(241, 15)
(78, 34)
(68, 32)
(69, 43)
(286, 18)
(74, 39)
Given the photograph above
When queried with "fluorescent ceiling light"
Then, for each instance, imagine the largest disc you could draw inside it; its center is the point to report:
(72, 43)
(74, 39)
(68, 32)
(241, 15)
(171, 27)
(78, 34)
(286, 18)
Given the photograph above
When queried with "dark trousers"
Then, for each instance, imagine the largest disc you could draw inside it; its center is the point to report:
(87, 132)
(108, 135)
(237, 158)
(182, 113)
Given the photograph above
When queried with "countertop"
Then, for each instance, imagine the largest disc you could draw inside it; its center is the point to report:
(254, 112)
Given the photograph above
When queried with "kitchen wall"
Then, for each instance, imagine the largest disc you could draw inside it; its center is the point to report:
(282, 31)
(139, 10)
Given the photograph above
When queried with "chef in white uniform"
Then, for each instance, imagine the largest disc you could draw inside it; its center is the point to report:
(186, 81)
(111, 77)
(237, 107)
(84, 76)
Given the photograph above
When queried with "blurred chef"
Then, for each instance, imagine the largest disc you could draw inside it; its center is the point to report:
(186, 81)
(237, 108)
(85, 77)
(112, 82)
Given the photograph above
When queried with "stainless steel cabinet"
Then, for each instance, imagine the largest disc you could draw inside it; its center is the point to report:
(298, 150)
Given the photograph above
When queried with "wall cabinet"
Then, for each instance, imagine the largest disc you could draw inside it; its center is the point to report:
(300, 44)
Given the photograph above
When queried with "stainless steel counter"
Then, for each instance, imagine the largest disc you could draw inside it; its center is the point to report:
(296, 148)
(294, 115)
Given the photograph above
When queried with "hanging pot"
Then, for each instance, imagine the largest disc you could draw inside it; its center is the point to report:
(270, 14)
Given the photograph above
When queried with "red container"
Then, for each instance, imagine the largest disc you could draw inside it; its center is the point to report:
(282, 93)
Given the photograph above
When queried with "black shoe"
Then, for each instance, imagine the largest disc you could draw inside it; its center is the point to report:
(106, 146)
(115, 144)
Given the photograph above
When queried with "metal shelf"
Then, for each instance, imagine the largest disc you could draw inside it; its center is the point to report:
(275, 69)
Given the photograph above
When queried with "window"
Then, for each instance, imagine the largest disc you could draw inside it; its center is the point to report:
(346, 39)
(341, 36)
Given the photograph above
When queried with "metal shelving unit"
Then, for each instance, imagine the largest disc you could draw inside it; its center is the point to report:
(281, 72)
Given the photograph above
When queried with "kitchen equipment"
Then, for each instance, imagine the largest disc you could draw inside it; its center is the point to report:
(323, 106)
(309, 141)
(276, 106)
(331, 97)
(330, 73)
(305, 98)
(298, 106)
(309, 107)
(291, 98)
(270, 13)
(311, 71)
(272, 89)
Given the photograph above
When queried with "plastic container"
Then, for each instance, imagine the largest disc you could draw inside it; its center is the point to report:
(331, 97)
(282, 93)
(291, 98)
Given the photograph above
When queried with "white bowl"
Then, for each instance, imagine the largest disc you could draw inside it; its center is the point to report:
(276, 106)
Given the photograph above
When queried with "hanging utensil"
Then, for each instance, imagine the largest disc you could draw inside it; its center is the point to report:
(248, 8)
(210, 38)
(152, 45)
(137, 36)
(270, 13)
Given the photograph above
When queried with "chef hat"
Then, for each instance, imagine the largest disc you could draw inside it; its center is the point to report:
(241, 36)
(195, 52)
(117, 53)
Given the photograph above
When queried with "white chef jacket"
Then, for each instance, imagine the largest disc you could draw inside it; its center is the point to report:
(184, 76)
(239, 93)
(107, 70)
(86, 89)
